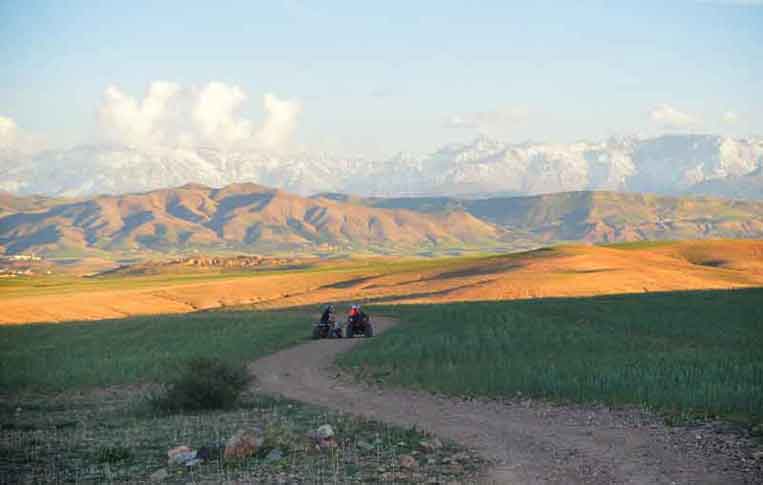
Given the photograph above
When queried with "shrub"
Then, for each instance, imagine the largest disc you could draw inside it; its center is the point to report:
(204, 384)
(112, 454)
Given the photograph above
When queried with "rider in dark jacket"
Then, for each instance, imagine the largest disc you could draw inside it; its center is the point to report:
(328, 313)
(357, 315)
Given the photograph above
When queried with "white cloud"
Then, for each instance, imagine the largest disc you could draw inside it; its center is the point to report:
(18, 140)
(128, 121)
(730, 117)
(280, 121)
(214, 114)
(8, 132)
(172, 115)
(670, 117)
(484, 119)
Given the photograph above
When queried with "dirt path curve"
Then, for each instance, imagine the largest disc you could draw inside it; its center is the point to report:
(530, 442)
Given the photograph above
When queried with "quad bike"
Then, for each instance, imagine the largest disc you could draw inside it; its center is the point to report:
(328, 329)
(359, 325)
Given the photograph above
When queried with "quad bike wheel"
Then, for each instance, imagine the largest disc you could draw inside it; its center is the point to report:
(316, 332)
(369, 330)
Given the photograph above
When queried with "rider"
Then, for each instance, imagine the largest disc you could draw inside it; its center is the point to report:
(328, 314)
(356, 314)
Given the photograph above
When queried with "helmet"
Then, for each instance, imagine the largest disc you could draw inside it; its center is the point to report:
(356, 306)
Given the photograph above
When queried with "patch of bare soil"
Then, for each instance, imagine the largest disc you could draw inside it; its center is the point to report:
(529, 442)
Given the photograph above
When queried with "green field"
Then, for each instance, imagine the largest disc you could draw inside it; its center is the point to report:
(138, 349)
(685, 353)
(106, 437)
(67, 415)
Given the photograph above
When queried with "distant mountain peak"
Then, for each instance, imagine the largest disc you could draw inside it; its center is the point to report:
(669, 164)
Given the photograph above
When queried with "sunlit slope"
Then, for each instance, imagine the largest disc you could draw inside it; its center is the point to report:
(256, 219)
(236, 217)
(560, 271)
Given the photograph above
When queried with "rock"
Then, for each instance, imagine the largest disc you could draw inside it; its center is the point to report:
(243, 444)
(326, 443)
(428, 446)
(758, 455)
(408, 462)
(171, 454)
(274, 455)
(364, 445)
(159, 475)
(325, 431)
(461, 456)
(180, 455)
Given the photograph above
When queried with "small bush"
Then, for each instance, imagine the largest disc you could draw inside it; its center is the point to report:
(112, 454)
(204, 384)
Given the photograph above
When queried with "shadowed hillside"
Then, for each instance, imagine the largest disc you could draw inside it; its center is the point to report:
(600, 217)
(253, 218)
(748, 186)
(236, 216)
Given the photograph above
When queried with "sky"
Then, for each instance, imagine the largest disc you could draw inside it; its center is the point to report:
(375, 78)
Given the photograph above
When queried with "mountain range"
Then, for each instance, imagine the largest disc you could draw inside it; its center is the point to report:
(669, 165)
(252, 218)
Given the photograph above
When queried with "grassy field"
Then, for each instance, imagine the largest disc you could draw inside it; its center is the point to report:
(683, 353)
(67, 414)
(138, 349)
(107, 438)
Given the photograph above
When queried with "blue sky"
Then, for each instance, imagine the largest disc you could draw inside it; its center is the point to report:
(381, 77)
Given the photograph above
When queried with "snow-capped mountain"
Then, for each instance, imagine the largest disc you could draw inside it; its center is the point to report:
(669, 164)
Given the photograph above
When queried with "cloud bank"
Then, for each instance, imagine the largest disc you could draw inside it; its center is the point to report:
(17, 140)
(8, 132)
(671, 118)
(171, 115)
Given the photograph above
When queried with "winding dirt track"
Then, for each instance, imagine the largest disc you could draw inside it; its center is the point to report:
(530, 442)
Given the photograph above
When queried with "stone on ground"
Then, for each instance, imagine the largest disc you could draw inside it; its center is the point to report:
(408, 462)
(243, 444)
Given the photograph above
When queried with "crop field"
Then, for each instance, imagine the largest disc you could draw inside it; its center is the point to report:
(687, 354)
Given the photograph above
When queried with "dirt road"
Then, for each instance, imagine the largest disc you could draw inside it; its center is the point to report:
(530, 442)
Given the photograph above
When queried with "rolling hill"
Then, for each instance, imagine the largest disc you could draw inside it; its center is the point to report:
(563, 271)
(596, 217)
(748, 186)
(253, 218)
(239, 216)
